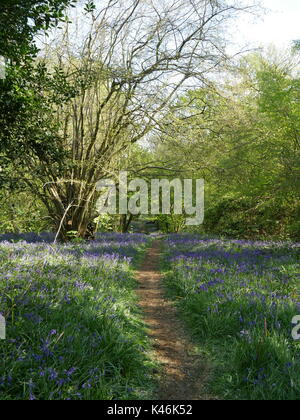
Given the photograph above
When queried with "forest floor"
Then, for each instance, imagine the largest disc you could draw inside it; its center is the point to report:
(184, 373)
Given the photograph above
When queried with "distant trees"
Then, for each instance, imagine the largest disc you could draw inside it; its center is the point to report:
(244, 138)
(120, 71)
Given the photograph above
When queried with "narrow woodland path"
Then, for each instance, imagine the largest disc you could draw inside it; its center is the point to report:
(184, 375)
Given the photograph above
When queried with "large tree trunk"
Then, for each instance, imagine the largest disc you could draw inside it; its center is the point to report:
(71, 216)
(125, 222)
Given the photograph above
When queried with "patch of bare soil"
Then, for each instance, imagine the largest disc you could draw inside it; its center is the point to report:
(184, 374)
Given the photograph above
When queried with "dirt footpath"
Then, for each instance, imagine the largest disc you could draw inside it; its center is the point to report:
(184, 375)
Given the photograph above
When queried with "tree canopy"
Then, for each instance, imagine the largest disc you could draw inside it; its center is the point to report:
(147, 87)
(21, 20)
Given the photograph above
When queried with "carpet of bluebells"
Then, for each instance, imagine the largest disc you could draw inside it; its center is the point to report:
(73, 328)
(238, 299)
